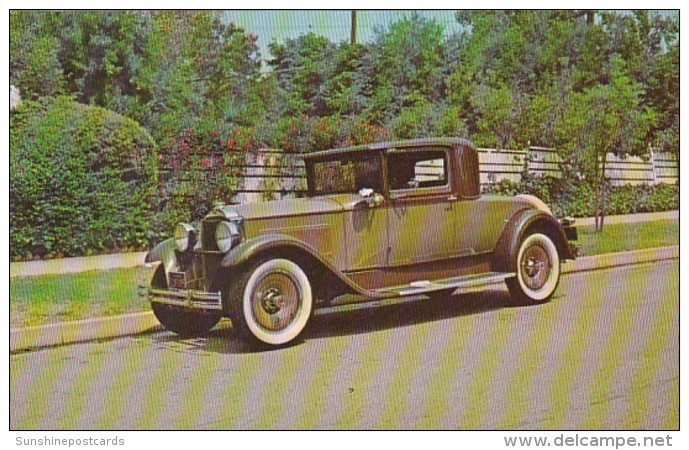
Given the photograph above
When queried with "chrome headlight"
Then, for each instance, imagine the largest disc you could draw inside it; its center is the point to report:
(226, 235)
(183, 232)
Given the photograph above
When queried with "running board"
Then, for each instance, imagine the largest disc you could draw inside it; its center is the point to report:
(412, 292)
(465, 282)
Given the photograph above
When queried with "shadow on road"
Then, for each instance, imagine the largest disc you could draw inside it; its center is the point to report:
(406, 314)
(222, 339)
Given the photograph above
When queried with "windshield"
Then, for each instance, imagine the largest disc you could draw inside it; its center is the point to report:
(345, 175)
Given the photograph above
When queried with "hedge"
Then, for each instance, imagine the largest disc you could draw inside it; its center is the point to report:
(579, 200)
(83, 180)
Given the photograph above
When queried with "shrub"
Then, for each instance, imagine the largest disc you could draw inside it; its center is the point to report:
(83, 180)
(580, 201)
(642, 198)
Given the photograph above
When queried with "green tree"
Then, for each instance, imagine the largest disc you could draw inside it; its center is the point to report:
(497, 116)
(345, 93)
(35, 67)
(303, 66)
(201, 98)
(406, 66)
(100, 53)
(517, 67)
(196, 67)
(662, 95)
(601, 120)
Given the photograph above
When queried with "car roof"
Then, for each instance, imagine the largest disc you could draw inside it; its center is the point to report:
(423, 142)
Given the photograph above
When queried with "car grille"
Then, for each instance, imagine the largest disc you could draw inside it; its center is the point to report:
(208, 235)
(207, 261)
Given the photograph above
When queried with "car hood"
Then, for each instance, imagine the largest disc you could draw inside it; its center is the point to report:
(290, 207)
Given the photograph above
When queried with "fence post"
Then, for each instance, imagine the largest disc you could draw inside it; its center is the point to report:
(653, 164)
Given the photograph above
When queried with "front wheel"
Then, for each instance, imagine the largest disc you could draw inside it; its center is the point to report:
(538, 270)
(185, 323)
(179, 321)
(270, 302)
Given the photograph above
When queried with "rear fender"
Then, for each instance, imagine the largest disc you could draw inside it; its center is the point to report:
(505, 253)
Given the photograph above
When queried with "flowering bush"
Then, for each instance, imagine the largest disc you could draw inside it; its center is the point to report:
(303, 134)
(200, 167)
(358, 132)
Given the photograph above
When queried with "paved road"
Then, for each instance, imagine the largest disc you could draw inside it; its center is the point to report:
(604, 354)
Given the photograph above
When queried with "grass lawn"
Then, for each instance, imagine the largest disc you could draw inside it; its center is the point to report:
(629, 236)
(52, 298)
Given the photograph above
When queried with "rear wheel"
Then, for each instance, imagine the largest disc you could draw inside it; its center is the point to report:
(270, 302)
(538, 270)
(180, 321)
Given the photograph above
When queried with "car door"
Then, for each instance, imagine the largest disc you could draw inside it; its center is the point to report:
(363, 243)
(421, 206)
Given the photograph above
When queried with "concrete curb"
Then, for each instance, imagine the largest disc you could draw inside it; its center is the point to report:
(630, 218)
(28, 338)
(597, 262)
(76, 264)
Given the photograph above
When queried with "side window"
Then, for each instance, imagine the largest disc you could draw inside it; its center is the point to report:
(417, 169)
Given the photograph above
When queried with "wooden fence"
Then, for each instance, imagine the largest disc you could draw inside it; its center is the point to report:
(496, 165)
(271, 173)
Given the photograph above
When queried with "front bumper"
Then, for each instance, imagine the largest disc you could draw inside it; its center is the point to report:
(191, 299)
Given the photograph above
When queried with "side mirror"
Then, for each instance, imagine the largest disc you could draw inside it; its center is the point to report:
(370, 197)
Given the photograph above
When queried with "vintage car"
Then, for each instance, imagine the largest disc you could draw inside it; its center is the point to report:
(381, 221)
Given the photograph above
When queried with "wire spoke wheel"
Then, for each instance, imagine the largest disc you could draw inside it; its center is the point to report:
(538, 270)
(535, 266)
(270, 302)
(276, 300)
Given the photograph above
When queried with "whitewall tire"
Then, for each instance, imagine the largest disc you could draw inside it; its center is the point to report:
(537, 270)
(271, 302)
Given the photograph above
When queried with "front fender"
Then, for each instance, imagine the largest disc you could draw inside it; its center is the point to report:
(251, 248)
(248, 249)
(505, 253)
(164, 252)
